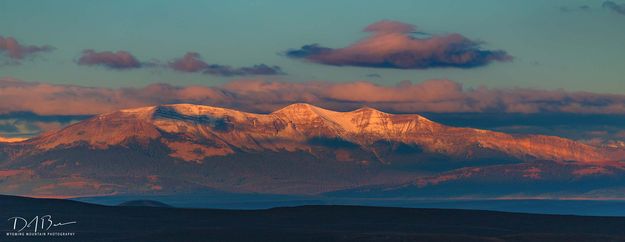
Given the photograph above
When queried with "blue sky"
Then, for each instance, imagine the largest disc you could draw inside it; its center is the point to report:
(578, 49)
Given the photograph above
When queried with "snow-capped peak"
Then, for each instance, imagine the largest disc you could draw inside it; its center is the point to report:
(290, 127)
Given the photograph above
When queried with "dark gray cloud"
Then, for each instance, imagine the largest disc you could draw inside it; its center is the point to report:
(114, 60)
(618, 8)
(581, 8)
(595, 129)
(261, 69)
(28, 124)
(192, 62)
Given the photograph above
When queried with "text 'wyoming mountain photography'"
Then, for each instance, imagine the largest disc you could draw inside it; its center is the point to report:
(252, 120)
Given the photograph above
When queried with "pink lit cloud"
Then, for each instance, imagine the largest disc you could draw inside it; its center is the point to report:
(443, 96)
(17, 51)
(393, 44)
(113, 60)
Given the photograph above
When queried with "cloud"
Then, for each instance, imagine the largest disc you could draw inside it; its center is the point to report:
(16, 51)
(114, 60)
(618, 8)
(51, 99)
(26, 124)
(261, 69)
(582, 8)
(388, 26)
(440, 96)
(428, 96)
(192, 62)
(393, 44)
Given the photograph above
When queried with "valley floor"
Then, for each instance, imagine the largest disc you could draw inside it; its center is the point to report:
(302, 223)
(560, 206)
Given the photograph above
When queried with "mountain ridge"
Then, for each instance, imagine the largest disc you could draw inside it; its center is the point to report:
(363, 126)
(299, 149)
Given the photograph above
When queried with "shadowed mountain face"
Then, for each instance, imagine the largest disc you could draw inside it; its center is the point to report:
(300, 149)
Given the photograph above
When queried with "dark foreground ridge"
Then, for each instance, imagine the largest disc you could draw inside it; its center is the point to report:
(144, 203)
(304, 223)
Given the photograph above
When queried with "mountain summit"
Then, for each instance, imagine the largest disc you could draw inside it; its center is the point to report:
(299, 149)
(291, 128)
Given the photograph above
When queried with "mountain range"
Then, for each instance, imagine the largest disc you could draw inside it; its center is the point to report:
(300, 149)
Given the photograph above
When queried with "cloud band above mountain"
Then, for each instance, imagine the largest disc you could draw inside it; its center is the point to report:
(265, 96)
(392, 44)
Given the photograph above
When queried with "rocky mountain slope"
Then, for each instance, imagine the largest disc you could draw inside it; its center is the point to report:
(299, 149)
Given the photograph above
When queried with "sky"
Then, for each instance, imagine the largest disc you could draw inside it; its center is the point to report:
(575, 45)
(61, 61)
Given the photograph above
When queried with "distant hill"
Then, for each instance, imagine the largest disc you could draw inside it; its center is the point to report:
(305, 223)
(144, 203)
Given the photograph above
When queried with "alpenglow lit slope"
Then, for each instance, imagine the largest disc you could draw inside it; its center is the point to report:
(10, 140)
(299, 149)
